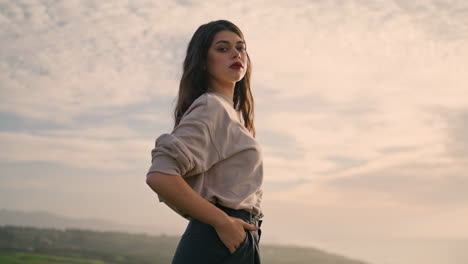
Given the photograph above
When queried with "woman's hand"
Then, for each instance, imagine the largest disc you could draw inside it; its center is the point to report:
(178, 194)
(232, 233)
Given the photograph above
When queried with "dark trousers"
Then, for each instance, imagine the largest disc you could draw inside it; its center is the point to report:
(201, 244)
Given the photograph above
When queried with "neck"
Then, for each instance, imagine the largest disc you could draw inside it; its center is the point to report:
(226, 89)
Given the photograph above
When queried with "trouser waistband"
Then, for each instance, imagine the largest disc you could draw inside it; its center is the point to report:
(240, 213)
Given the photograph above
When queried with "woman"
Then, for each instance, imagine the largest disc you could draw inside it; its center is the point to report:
(209, 168)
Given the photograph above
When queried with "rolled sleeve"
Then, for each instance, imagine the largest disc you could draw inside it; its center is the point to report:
(170, 156)
(188, 150)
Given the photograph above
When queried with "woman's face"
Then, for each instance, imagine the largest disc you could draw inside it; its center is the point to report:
(227, 58)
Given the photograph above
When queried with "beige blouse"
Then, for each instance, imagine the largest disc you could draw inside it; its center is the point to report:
(215, 154)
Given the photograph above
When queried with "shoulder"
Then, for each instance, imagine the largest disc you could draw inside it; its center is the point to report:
(211, 101)
(204, 101)
(210, 109)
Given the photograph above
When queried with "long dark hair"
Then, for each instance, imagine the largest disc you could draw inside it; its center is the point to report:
(194, 81)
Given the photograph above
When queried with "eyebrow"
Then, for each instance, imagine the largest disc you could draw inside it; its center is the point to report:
(227, 42)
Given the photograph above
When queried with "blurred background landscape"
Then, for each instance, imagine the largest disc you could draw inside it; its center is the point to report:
(28, 245)
(361, 110)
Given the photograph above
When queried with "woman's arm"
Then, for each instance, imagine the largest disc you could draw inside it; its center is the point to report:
(178, 193)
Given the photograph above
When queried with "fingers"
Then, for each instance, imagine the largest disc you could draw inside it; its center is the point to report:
(229, 233)
(250, 226)
(232, 249)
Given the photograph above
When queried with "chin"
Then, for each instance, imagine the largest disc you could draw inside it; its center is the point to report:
(238, 78)
(232, 78)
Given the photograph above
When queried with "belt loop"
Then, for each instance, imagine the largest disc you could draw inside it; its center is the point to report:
(251, 219)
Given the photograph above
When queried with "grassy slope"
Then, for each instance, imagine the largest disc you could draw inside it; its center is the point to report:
(28, 258)
(84, 246)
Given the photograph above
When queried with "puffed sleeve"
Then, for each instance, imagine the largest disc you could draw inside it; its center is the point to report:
(189, 149)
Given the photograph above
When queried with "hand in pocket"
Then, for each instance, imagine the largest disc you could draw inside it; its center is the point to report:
(233, 233)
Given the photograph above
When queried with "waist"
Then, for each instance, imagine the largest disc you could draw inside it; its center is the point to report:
(242, 214)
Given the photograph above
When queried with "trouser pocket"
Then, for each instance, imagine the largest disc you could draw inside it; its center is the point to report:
(200, 244)
(243, 244)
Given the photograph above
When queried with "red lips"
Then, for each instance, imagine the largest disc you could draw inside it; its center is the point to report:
(236, 65)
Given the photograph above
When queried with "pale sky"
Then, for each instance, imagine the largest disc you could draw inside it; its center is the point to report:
(361, 109)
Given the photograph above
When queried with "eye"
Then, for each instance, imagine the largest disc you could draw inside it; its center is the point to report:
(222, 49)
(242, 48)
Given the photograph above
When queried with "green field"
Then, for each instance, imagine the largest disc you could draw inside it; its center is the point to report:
(29, 258)
(28, 245)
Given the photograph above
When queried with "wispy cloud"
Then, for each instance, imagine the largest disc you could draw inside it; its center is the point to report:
(79, 151)
(360, 105)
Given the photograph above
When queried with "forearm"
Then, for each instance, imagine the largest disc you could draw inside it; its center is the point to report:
(178, 193)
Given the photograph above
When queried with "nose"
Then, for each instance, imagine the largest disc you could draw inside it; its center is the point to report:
(236, 54)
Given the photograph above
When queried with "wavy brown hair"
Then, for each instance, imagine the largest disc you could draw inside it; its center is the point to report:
(195, 79)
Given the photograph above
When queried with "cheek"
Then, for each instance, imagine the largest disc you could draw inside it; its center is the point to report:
(245, 60)
(216, 60)
(215, 63)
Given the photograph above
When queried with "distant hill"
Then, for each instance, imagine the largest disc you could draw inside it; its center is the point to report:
(448, 250)
(43, 219)
(48, 221)
(125, 248)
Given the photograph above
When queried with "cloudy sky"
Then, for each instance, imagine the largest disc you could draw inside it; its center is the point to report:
(361, 109)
